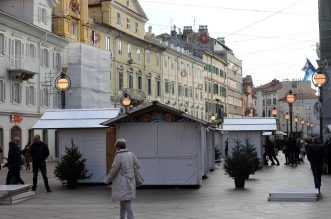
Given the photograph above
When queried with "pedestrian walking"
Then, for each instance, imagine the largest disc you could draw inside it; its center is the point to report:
(39, 152)
(226, 149)
(14, 165)
(270, 147)
(286, 152)
(315, 157)
(27, 156)
(292, 148)
(122, 176)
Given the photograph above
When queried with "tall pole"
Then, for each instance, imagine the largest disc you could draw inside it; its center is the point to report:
(287, 127)
(291, 115)
(63, 99)
(321, 115)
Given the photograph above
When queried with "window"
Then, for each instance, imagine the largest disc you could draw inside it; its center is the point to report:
(166, 86)
(139, 82)
(180, 91)
(274, 101)
(32, 51)
(2, 43)
(42, 15)
(215, 88)
(30, 95)
(45, 58)
(130, 81)
(149, 86)
(44, 97)
(108, 43)
(16, 93)
(57, 60)
(172, 87)
(157, 60)
(2, 91)
(138, 54)
(136, 27)
(120, 80)
(148, 56)
(128, 23)
(268, 102)
(158, 88)
(119, 47)
(119, 18)
(165, 62)
(74, 27)
(129, 51)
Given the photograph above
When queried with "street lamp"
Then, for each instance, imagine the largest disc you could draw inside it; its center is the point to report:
(213, 117)
(290, 99)
(320, 79)
(311, 128)
(62, 84)
(274, 111)
(287, 117)
(302, 124)
(296, 120)
(126, 100)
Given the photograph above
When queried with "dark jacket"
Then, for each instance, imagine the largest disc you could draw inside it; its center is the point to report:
(39, 152)
(14, 155)
(315, 154)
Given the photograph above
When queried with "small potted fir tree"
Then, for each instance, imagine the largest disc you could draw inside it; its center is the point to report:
(238, 166)
(71, 167)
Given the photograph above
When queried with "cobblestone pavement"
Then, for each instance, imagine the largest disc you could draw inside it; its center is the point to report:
(215, 199)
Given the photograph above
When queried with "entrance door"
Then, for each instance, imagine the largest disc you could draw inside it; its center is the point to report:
(110, 147)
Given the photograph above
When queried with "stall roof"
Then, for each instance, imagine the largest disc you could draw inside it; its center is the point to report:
(152, 106)
(250, 124)
(75, 118)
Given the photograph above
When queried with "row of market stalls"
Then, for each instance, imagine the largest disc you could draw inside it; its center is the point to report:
(173, 147)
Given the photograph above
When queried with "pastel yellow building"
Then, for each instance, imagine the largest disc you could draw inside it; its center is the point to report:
(215, 85)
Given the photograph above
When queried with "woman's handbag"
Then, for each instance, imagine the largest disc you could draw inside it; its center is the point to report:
(138, 177)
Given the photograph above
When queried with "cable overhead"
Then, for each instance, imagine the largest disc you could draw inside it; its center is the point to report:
(224, 8)
(263, 19)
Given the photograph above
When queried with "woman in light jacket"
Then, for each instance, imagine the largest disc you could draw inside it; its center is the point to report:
(122, 177)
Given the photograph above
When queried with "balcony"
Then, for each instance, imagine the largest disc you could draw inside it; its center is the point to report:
(22, 68)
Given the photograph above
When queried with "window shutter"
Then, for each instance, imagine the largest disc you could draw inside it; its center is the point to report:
(20, 93)
(34, 96)
(27, 95)
(4, 92)
(11, 93)
(39, 14)
(5, 45)
(27, 50)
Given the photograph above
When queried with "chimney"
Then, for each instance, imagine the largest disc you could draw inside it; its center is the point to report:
(150, 28)
(221, 40)
(203, 29)
(174, 32)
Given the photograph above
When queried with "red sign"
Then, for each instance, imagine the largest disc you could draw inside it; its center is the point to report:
(16, 118)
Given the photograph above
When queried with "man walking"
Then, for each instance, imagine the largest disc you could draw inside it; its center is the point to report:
(39, 152)
(315, 157)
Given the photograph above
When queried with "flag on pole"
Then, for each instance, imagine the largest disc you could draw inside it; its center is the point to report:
(309, 69)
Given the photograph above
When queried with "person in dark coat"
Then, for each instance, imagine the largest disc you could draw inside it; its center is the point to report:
(286, 152)
(14, 165)
(39, 152)
(270, 147)
(292, 147)
(315, 157)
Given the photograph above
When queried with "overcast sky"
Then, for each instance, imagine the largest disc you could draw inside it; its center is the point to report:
(272, 38)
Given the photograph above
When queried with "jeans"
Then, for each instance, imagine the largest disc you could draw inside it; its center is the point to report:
(36, 166)
(126, 208)
(317, 173)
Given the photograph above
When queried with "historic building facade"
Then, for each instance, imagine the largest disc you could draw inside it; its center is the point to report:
(30, 58)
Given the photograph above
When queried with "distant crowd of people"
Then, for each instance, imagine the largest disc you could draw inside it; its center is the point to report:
(36, 152)
(296, 150)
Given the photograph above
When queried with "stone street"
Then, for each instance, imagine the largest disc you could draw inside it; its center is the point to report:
(216, 198)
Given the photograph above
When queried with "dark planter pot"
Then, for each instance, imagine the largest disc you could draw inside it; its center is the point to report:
(72, 184)
(239, 182)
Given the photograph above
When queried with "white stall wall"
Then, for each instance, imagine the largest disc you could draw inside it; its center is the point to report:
(168, 153)
(92, 144)
(255, 138)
